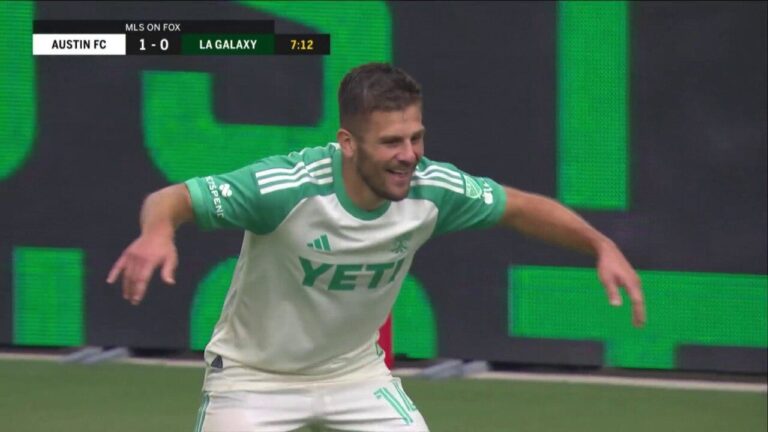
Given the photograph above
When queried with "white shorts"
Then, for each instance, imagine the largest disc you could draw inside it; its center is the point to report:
(378, 405)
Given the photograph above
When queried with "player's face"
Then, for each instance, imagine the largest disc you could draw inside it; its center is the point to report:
(389, 150)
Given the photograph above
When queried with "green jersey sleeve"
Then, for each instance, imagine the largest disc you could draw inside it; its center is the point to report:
(463, 201)
(228, 200)
(258, 197)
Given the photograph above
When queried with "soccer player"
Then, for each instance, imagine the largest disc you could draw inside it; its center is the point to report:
(330, 233)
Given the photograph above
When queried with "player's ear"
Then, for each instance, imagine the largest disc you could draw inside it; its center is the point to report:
(346, 141)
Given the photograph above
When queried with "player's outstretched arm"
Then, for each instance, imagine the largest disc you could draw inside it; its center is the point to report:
(546, 219)
(163, 211)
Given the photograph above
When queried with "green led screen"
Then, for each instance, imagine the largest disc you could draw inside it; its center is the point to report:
(683, 308)
(414, 325)
(545, 107)
(593, 104)
(17, 86)
(48, 296)
(178, 106)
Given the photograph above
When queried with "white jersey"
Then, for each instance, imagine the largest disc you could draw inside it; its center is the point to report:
(317, 276)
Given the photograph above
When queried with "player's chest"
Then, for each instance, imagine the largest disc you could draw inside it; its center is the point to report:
(322, 230)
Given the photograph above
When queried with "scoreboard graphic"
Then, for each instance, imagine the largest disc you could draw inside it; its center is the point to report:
(172, 38)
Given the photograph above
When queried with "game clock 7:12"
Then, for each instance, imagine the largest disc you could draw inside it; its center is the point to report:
(317, 44)
(302, 44)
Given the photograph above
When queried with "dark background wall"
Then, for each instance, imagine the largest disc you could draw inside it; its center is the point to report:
(697, 85)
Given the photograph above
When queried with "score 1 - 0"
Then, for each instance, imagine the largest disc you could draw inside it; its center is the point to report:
(163, 44)
(147, 38)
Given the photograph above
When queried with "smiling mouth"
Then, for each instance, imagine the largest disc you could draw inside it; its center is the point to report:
(401, 173)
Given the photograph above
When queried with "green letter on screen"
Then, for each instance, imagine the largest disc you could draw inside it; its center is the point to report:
(683, 309)
(414, 328)
(185, 140)
(48, 296)
(18, 94)
(208, 302)
(592, 123)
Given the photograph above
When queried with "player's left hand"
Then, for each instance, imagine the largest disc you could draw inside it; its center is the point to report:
(615, 271)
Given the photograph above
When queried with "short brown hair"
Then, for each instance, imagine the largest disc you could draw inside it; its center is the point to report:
(375, 87)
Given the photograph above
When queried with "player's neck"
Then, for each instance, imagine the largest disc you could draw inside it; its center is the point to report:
(357, 190)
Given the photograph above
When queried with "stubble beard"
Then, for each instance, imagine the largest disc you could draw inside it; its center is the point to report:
(367, 175)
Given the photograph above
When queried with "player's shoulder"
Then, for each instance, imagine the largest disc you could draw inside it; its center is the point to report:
(299, 173)
(320, 155)
(434, 178)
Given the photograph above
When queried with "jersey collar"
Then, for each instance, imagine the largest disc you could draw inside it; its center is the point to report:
(345, 200)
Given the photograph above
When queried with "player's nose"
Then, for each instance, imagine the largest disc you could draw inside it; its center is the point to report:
(409, 153)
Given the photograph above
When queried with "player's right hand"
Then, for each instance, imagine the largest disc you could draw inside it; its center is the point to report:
(139, 261)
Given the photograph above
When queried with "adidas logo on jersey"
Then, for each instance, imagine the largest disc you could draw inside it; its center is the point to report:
(321, 243)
